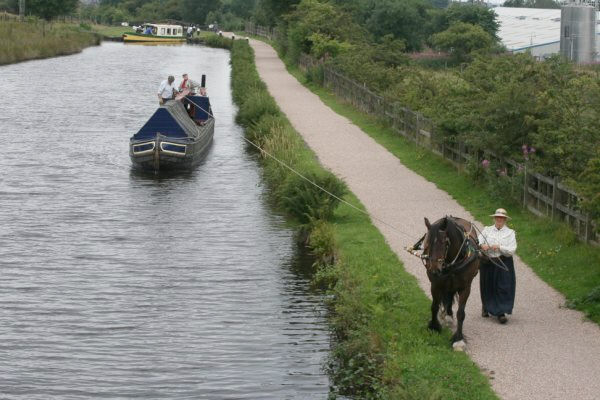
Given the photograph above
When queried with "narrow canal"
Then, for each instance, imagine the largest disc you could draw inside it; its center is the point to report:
(116, 284)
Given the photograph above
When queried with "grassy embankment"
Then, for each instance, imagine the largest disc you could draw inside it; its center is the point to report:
(21, 41)
(551, 249)
(110, 32)
(383, 349)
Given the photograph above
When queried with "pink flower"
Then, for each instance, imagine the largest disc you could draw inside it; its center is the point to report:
(532, 149)
(485, 163)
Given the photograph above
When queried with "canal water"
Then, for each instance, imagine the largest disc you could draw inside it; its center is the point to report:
(115, 284)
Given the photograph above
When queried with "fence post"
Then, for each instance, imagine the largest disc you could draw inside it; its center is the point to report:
(554, 197)
(525, 188)
(461, 150)
(588, 233)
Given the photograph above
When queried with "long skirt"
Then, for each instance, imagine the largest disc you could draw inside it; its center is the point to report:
(497, 286)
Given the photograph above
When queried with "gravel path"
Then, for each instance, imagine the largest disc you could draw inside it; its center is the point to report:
(545, 351)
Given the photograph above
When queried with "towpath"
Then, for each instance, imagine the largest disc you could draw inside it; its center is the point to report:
(545, 351)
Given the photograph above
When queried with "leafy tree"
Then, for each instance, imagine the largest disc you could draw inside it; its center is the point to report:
(11, 6)
(197, 10)
(49, 9)
(461, 39)
(532, 3)
(514, 3)
(240, 8)
(390, 51)
(268, 12)
(323, 18)
(472, 14)
(405, 20)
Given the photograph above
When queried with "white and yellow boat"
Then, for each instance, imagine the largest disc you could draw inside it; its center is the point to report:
(157, 33)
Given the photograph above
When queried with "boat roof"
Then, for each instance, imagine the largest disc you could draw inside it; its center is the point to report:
(163, 25)
(172, 120)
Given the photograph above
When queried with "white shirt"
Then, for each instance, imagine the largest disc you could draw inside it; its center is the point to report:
(190, 29)
(505, 238)
(165, 90)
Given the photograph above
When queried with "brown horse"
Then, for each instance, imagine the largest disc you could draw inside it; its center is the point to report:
(451, 256)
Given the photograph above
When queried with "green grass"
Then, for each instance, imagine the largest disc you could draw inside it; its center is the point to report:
(21, 41)
(550, 249)
(382, 349)
(377, 300)
(111, 32)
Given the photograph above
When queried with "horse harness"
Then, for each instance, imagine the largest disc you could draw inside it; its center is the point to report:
(468, 251)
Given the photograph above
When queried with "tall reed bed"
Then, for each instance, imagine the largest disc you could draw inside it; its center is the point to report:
(21, 41)
(269, 129)
(382, 349)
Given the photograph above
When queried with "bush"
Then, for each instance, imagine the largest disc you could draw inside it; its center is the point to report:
(256, 105)
(307, 202)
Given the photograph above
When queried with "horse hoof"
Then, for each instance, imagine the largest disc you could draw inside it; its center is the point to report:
(459, 346)
(434, 327)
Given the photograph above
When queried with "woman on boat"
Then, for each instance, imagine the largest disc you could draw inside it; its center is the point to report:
(497, 273)
(185, 83)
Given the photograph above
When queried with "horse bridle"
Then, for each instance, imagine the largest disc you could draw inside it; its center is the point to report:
(425, 257)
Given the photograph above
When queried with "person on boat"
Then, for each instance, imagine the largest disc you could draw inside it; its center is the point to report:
(190, 31)
(166, 90)
(148, 30)
(497, 279)
(185, 83)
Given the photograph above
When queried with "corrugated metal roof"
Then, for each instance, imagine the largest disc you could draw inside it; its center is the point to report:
(527, 27)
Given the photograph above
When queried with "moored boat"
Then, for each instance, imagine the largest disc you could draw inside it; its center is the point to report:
(157, 33)
(177, 136)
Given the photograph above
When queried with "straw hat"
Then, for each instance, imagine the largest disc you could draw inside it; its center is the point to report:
(501, 212)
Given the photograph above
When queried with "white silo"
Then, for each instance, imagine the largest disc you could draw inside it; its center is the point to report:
(578, 32)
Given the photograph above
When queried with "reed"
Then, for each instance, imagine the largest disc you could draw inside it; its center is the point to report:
(21, 41)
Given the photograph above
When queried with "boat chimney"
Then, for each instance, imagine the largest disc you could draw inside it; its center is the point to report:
(203, 84)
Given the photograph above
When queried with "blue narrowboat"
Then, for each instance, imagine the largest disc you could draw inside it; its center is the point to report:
(177, 136)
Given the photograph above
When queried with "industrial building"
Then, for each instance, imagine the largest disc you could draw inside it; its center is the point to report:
(538, 31)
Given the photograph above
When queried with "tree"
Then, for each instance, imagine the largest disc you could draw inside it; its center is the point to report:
(461, 39)
(532, 3)
(49, 9)
(472, 14)
(197, 10)
(240, 8)
(405, 20)
(11, 6)
(334, 27)
(268, 12)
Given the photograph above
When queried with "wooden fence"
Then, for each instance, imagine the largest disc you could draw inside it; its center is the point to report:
(257, 30)
(540, 194)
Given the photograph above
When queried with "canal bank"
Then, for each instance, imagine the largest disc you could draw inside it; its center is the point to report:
(526, 357)
(382, 347)
(22, 41)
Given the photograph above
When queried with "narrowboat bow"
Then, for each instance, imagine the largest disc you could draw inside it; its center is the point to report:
(177, 136)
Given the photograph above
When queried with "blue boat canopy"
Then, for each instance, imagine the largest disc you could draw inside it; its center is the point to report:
(173, 120)
(201, 107)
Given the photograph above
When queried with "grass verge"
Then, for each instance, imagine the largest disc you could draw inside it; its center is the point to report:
(21, 41)
(551, 249)
(382, 348)
(110, 32)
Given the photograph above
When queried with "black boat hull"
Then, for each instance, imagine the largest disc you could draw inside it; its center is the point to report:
(166, 153)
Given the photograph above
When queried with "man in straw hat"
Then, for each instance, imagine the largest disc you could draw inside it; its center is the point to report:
(497, 273)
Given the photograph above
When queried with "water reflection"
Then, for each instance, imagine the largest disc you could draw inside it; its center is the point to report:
(117, 283)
